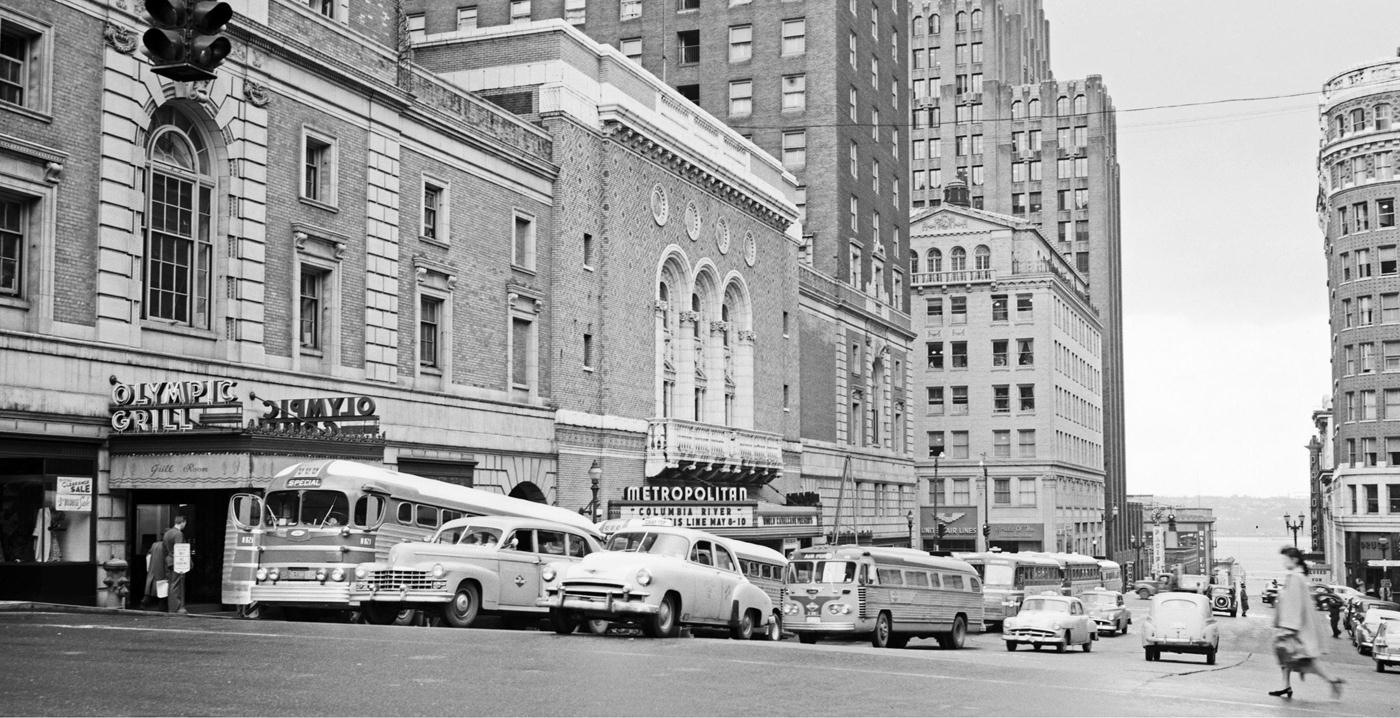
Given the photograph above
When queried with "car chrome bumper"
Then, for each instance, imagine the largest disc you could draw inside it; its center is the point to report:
(609, 605)
(400, 595)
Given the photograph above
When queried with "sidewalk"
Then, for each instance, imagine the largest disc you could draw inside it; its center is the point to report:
(200, 610)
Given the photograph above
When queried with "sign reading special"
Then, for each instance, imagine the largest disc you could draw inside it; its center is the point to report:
(695, 507)
(174, 406)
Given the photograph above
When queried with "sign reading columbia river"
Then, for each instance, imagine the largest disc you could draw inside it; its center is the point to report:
(696, 507)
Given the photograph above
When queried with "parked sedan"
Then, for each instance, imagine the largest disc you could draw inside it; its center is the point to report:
(659, 578)
(1051, 619)
(1107, 609)
(1356, 609)
(1180, 623)
(1385, 647)
(1365, 632)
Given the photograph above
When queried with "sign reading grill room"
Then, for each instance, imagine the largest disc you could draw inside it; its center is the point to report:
(696, 507)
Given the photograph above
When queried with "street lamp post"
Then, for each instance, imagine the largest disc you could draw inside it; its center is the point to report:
(1136, 544)
(937, 490)
(1294, 525)
(595, 477)
(986, 506)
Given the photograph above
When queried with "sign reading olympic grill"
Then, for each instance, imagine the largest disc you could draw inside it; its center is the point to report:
(174, 406)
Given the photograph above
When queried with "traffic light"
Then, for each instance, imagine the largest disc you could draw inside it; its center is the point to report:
(942, 529)
(186, 41)
(986, 529)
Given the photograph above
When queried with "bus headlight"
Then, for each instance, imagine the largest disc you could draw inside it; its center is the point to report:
(274, 574)
(791, 609)
(439, 571)
(845, 608)
(338, 574)
(547, 574)
(260, 574)
(833, 608)
(643, 577)
(361, 572)
(321, 575)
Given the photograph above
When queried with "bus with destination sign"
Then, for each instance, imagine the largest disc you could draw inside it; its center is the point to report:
(1007, 578)
(887, 594)
(297, 546)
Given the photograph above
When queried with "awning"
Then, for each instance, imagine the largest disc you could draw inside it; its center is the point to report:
(197, 471)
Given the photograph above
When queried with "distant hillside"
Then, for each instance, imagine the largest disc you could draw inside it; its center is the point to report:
(1245, 515)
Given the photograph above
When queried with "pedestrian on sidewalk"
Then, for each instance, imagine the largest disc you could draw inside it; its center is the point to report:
(155, 572)
(175, 535)
(1298, 639)
(1333, 603)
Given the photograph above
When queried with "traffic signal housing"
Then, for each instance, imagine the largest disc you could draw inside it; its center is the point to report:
(185, 41)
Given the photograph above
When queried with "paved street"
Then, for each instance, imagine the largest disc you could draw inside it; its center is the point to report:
(57, 664)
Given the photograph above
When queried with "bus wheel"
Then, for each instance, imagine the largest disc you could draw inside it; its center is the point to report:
(884, 632)
(743, 629)
(807, 638)
(598, 626)
(955, 638)
(379, 614)
(461, 611)
(562, 622)
(665, 622)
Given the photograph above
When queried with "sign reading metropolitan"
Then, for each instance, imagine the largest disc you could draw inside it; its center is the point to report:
(674, 494)
(174, 406)
(695, 507)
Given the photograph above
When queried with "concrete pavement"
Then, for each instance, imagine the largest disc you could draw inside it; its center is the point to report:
(54, 664)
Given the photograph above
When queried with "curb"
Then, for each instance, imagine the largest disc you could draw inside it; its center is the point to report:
(39, 607)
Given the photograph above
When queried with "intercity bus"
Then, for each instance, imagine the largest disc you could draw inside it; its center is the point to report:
(320, 519)
(1078, 573)
(766, 569)
(1007, 578)
(888, 594)
(1111, 574)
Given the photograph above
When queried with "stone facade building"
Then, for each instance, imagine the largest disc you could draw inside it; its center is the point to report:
(1011, 382)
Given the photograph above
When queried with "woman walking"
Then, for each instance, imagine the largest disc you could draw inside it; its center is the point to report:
(1298, 638)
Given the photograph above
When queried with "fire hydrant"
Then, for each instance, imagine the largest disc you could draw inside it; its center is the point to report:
(117, 582)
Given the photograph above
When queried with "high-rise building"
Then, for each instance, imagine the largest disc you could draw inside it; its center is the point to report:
(1356, 209)
(1012, 411)
(824, 87)
(985, 103)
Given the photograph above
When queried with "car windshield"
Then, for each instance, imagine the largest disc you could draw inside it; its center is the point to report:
(822, 572)
(649, 542)
(1000, 575)
(471, 536)
(1101, 600)
(1045, 604)
(310, 508)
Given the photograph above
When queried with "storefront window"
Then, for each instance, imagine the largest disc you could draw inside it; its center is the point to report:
(45, 518)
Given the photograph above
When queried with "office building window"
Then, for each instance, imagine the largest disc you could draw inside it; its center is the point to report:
(519, 11)
(999, 352)
(466, 17)
(959, 403)
(629, 9)
(313, 297)
(575, 11)
(180, 224)
(740, 43)
(523, 247)
(935, 400)
(434, 211)
(794, 37)
(795, 149)
(318, 168)
(962, 492)
(1001, 492)
(1026, 443)
(935, 354)
(959, 352)
(416, 27)
(15, 215)
(1001, 400)
(741, 98)
(429, 328)
(1025, 352)
(935, 443)
(958, 310)
(1373, 499)
(24, 64)
(999, 308)
(688, 46)
(1027, 397)
(631, 48)
(1025, 307)
(1027, 493)
(1001, 443)
(960, 445)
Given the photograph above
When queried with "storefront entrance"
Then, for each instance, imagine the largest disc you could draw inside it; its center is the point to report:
(153, 512)
(47, 525)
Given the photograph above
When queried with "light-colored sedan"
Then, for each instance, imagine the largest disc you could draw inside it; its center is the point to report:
(1365, 632)
(1051, 620)
(660, 578)
(1107, 609)
(1385, 646)
(1180, 623)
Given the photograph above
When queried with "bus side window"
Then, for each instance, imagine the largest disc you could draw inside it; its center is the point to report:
(427, 516)
(865, 578)
(953, 582)
(974, 584)
(406, 513)
(369, 511)
(450, 515)
(935, 580)
(889, 577)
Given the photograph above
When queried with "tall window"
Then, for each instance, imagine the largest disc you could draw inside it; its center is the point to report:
(521, 333)
(429, 331)
(417, 27)
(466, 18)
(794, 37)
(318, 168)
(23, 64)
(740, 43)
(524, 244)
(740, 98)
(688, 43)
(179, 223)
(13, 226)
(794, 93)
(519, 11)
(434, 219)
(795, 149)
(313, 297)
(1001, 491)
(576, 11)
(1026, 438)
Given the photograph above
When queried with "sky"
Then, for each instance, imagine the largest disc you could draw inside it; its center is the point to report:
(1224, 279)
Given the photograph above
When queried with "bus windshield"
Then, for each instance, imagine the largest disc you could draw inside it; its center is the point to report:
(1000, 574)
(822, 572)
(310, 508)
(648, 542)
(1041, 604)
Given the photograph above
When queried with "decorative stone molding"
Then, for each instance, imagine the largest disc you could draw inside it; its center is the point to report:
(947, 221)
(53, 172)
(660, 205)
(750, 249)
(121, 38)
(434, 274)
(692, 220)
(256, 93)
(722, 238)
(327, 244)
(662, 305)
(719, 327)
(745, 336)
(689, 317)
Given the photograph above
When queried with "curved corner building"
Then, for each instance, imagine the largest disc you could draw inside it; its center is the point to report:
(1356, 208)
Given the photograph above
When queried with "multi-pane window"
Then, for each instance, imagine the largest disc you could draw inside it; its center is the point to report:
(1027, 397)
(417, 24)
(935, 400)
(1392, 405)
(740, 98)
(1373, 500)
(962, 492)
(1001, 491)
(179, 223)
(999, 351)
(318, 169)
(740, 43)
(999, 307)
(852, 102)
(958, 310)
(794, 37)
(631, 48)
(1385, 212)
(466, 17)
(688, 44)
(1081, 198)
(429, 331)
(1390, 356)
(959, 352)
(1001, 399)
(851, 53)
(434, 219)
(519, 11)
(935, 354)
(959, 404)
(935, 443)
(13, 226)
(21, 64)
(1025, 352)
(629, 9)
(1026, 438)
(1025, 307)
(795, 149)
(1027, 493)
(575, 11)
(934, 310)
(325, 7)
(960, 445)
(1001, 443)
(313, 291)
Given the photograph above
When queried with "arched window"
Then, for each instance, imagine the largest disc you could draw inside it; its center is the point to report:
(1033, 108)
(935, 260)
(180, 222)
(918, 28)
(1018, 110)
(1383, 116)
(1062, 105)
(960, 21)
(957, 262)
(935, 24)
(1081, 104)
(1358, 120)
(982, 257)
(976, 19)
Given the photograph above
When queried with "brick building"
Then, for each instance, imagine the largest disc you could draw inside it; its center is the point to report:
(1356, 210)
(325, 220)
(1011, 382)
(986, 104)
(823, 86)
(675, 356)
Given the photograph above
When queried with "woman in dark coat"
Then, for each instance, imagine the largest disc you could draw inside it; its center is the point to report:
(1298, 641)
(155, 571)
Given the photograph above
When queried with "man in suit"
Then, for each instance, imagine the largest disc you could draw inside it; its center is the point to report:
(174, 535)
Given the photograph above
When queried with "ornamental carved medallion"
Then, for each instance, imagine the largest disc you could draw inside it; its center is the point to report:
(256, 93)
(119, 37)
(750, 249)
(660, 205)
(692, 221)
(722, 236)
